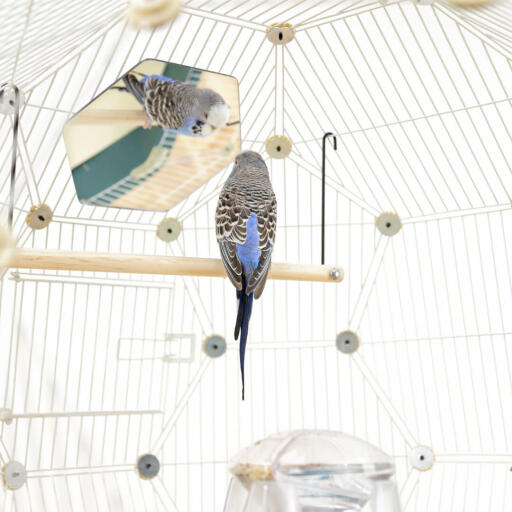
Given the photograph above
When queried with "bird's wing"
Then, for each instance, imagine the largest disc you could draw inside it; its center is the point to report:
(167, 103)
(231, 226)
(267, 217)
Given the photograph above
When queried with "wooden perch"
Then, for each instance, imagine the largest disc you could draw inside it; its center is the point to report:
(171, 265)
(93, 116)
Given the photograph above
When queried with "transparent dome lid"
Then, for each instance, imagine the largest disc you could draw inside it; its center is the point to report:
(328, 470)
(288, 453)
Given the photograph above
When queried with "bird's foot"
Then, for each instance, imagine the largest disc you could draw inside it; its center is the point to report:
(148, 123)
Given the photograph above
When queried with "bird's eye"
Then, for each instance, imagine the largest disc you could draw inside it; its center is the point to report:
(206, 116)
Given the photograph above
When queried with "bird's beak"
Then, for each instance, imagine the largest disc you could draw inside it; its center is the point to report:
(207, 129)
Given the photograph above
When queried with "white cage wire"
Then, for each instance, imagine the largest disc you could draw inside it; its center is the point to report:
(420, 99)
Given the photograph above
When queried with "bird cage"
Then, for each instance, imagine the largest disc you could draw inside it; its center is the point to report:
(120, 383)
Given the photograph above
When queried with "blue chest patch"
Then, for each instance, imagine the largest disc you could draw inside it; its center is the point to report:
(248, 253)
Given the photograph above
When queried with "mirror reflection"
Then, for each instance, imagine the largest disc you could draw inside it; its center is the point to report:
(152, 138)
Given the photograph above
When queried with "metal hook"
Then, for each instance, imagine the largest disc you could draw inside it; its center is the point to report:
(335, 145)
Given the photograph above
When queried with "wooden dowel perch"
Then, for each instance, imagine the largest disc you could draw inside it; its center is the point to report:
(104, 116)
(171, 265)
(94, 116)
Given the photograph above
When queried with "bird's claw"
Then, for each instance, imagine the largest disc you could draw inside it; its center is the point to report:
(148, 123)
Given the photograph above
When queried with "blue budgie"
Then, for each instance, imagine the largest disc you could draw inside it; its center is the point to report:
(178, 106)
(246, 229)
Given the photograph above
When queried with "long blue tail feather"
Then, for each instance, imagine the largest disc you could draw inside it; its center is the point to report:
(238, 324)
(242, 323)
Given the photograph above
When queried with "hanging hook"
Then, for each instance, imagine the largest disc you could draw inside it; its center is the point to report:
(335, 145)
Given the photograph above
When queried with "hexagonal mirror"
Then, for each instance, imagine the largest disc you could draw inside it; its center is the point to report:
(153, 137)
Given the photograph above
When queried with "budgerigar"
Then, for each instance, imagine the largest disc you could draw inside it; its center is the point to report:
(246, 228)
(177, 105)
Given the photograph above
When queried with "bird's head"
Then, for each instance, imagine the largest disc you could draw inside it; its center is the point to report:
(217, 115)
(250, 161)
(249, 158)
(214, 111)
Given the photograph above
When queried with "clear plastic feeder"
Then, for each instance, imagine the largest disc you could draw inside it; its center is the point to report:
(312, 471)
